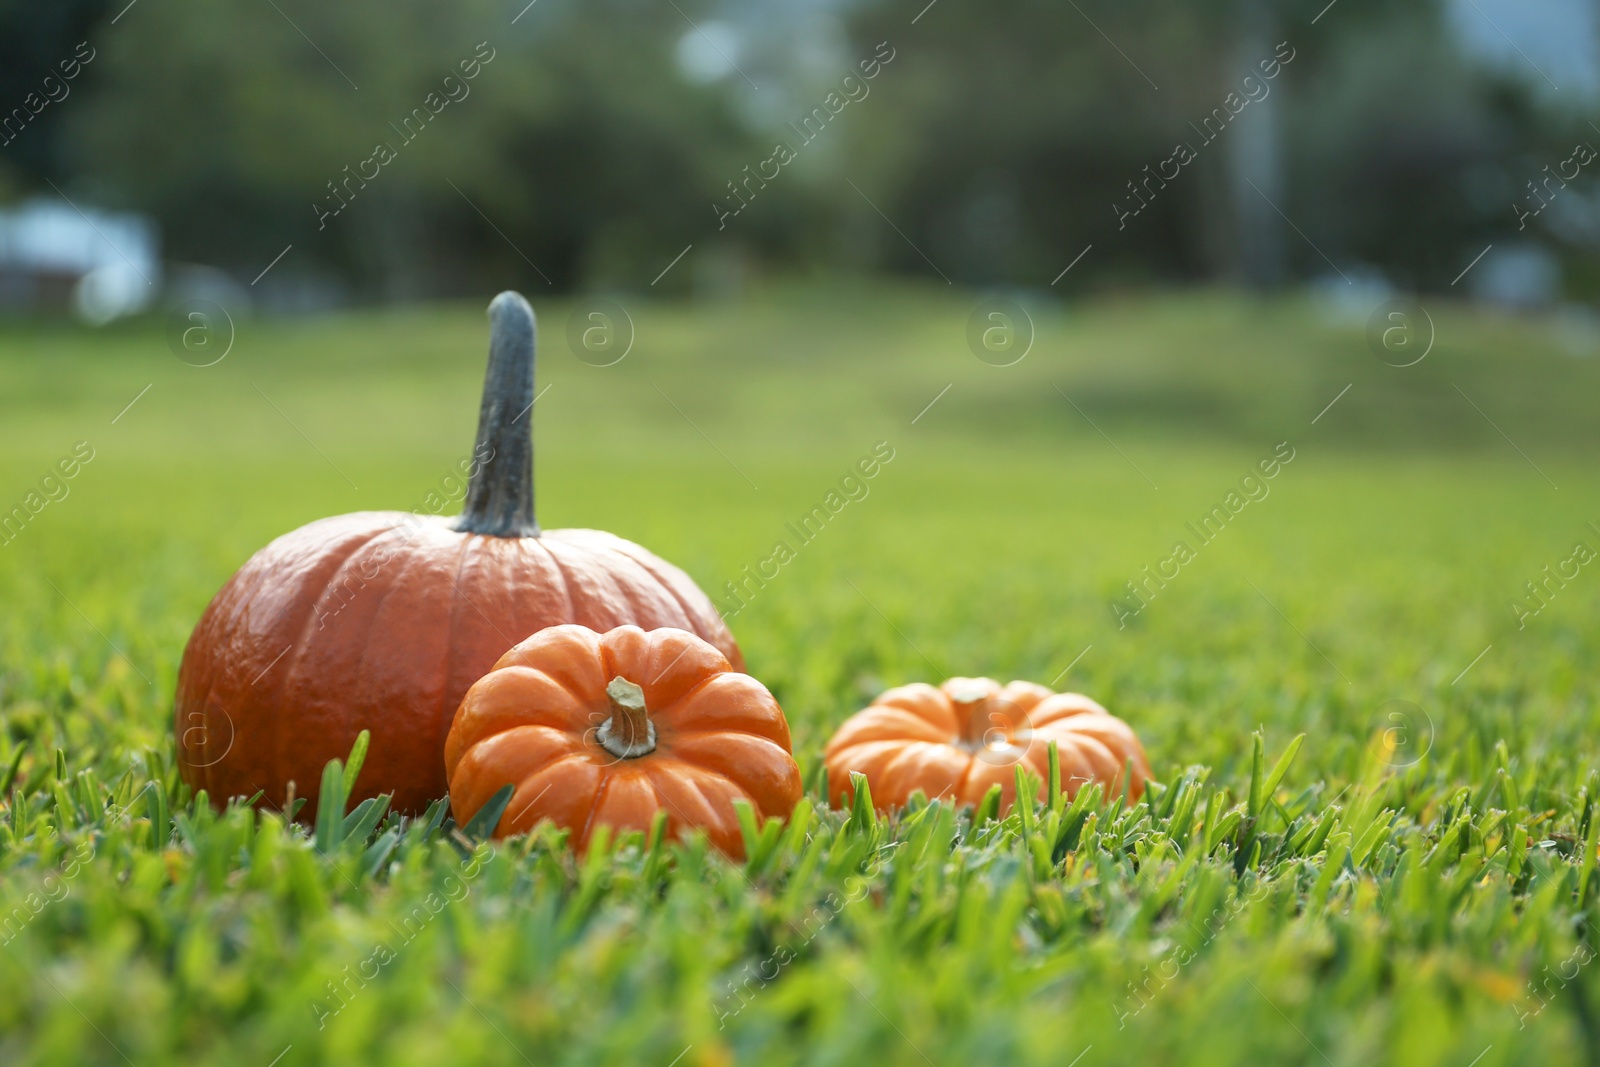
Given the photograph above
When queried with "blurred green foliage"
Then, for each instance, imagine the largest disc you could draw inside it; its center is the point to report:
(999, 142)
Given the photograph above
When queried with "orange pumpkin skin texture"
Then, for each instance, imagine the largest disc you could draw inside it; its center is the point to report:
(381, 620)
(545, 720)
(393, 654)
(956, 741)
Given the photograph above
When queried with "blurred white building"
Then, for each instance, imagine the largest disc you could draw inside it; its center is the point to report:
(103, 265)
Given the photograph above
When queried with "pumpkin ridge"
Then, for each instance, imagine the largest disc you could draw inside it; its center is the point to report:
(697, 761)
(959, 789)
(512, 814)
(657, 767)
(684, 720)
(600, 788)
(695, 735)
(455, 587)
(301, 645)
(521, 663)
(917, 695)
(661, 798)
(608, 592)
(212, 677)
(552, 679)
(683, 606)
(574, 746)
(377, 608)
(383, 594)
(665, 801)
(854, 752)
(693, 782)
(516, 787)
(561, 572)
(901, 766)
(834, 746)
(1069, 724)
(482, 794)
(954, 791)
(1088, 743)
(238, 621)
(647, 579)
(942, 728)
(689, 614)
(690, 693)
(446, 714)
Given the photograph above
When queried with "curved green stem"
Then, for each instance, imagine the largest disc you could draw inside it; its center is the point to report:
(500, 497)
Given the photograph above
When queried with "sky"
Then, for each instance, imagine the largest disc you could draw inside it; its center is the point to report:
(1555, 44)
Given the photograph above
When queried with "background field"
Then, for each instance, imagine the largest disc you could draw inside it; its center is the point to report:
(1397, 898)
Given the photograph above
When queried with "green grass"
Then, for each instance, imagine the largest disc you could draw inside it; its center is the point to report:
(1418, 887)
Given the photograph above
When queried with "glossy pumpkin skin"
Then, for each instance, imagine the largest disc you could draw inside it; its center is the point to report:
(956, 741)
(534, 722)
(381, 620)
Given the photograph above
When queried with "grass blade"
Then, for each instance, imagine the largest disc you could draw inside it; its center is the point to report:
(373, 859)
(1258, 758)
(487, 818)
(1025, 784)
(330, 807)
(863, 819)
(364, 818)
(155, 805)
(749, 830)
(1057, 799)
(15, 765)
(1275, 776)
(358, 756)
(988, 808)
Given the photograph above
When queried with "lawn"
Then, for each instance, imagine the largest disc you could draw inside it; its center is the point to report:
(1416, 885)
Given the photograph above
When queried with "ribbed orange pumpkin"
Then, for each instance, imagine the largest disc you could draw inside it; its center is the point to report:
(956, 741)
(608, 729)
(381, 620)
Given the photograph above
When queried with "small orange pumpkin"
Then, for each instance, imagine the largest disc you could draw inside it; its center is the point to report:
(608, 729)
(956, 741)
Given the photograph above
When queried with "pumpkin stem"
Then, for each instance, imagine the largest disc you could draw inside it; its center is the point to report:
(629, 733)
(969, 699)
(500, 496)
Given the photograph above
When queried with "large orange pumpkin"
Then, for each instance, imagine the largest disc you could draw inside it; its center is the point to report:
(380, 620)
(608, 729)
(956, 741)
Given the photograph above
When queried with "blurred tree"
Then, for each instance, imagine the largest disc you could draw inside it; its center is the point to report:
(35, 39)
(1008, 134)
(1017, 133)
(1000, 141)
(575, 148)
(1403, 156)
